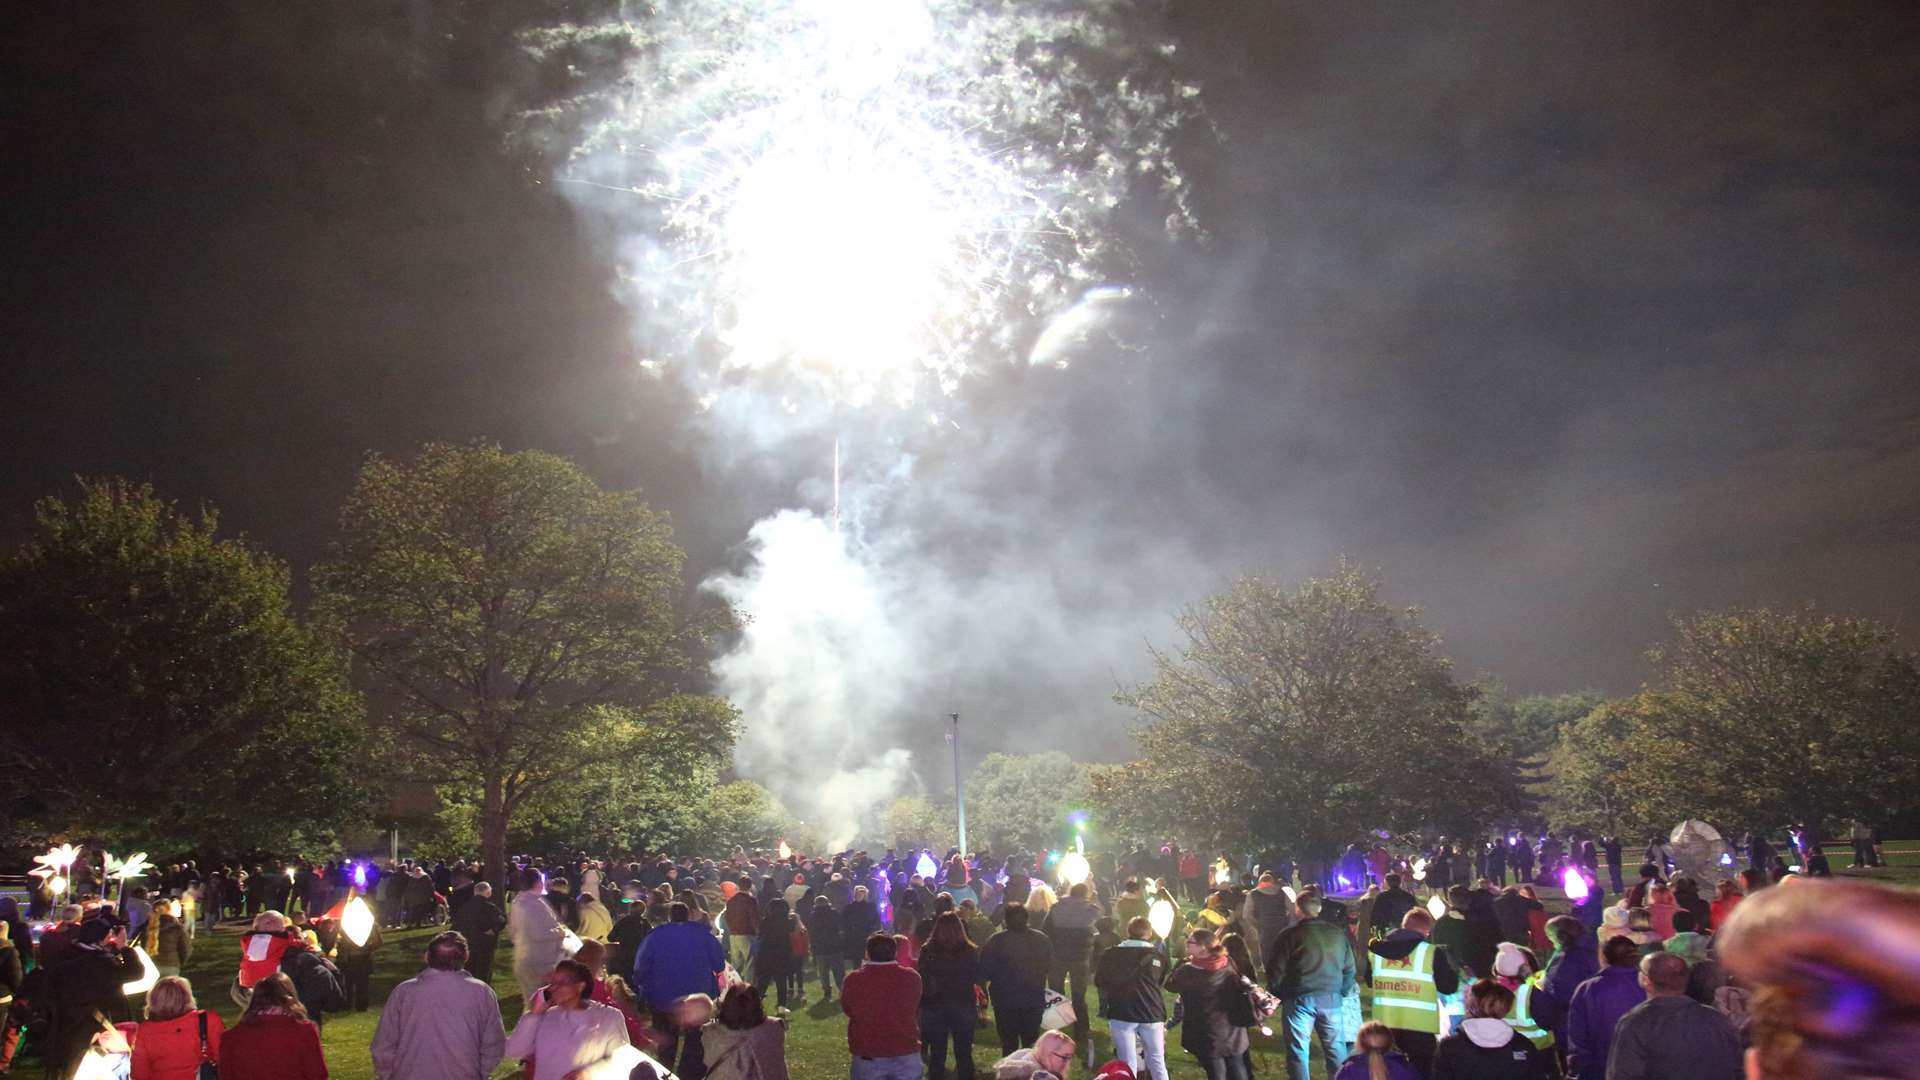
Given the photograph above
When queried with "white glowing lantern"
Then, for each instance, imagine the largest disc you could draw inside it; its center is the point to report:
(785, 851)
(1576, 885)
(55, 867)
(1222, 874)
(1437, 907)
(1420, 869)
(570, 943)
(1291, 895)
(1160, 917)
(1074, 869)
(926, 867)
(357, 921)
(149, 974)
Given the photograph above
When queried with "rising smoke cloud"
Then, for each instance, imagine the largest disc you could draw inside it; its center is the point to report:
(831, 217)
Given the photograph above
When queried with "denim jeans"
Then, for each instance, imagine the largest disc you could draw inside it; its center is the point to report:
(1149, 1056)
(946, 1022)
(904, 1067)
(1075, 974)
(1307, 1015)
(1019, 1026)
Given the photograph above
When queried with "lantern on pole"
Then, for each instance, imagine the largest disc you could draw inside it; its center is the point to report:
(1160, 917)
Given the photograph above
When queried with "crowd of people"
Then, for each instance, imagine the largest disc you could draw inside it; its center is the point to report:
(692, 967)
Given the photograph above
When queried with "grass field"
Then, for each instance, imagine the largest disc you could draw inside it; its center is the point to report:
(816, 1041)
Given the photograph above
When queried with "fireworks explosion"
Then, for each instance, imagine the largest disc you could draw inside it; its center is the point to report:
(870, 196)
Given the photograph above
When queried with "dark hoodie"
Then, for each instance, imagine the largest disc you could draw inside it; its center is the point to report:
(1397, 945)
(1130, 977)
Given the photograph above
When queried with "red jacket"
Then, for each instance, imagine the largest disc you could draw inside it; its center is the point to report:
(273, 1046)
(882, 1003)
(170, 1049)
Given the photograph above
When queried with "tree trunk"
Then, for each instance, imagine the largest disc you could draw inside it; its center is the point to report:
(493, 836)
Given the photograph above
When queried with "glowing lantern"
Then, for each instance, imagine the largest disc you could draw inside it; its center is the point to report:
(1726, 858)
(1576, 885)
(1420, 869)
(359, 875)
(149, 974)
(1291, 895)
(1074, 869)
(57, 885)
(728, 889)
(1222, 873)
(357, 921)
(926, 867)
(1160, 917)
(786, 852)
(1437, 907)
(55, 867)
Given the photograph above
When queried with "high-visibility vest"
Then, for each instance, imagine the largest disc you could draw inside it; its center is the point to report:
(1403, 993)
(1521, 1018)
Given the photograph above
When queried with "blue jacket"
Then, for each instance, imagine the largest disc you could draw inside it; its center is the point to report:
(1598, 1005)
(1565, 972)
(677, 959)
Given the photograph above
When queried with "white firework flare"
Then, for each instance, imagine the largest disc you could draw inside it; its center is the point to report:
(870, 196)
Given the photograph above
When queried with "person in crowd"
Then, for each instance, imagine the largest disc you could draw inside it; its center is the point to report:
(1049, 1058)
(1833, 968)
(629, 930)
(859, 920)
(1686, 894)
(1575, 959)
(1486, 1047)
(824, 945)
(595, 920)
(1204, 980)
(1510, 911)
(166, 939)
(1130, 977)
(1641, 932)
(773, 959)
(1660, 909)
(678, 959)
(742, 1042)
(416, 898)
(1687, 943)
(1650, 875)
(1534, 1015)
(274, 1039)
(442, 1024)
(1726, 897)
(1670, 1034)
(949, 972)
(316, 980)
(175, 1036)
(262, 948)
(539, 939)
(479, 922)
(569, 1036)
(1597, 1006)
(87, 979)
(1069, 927)
(1311, 969)
(1409, 976)
(12, 973)
(559, 897)
(741, 920)
(881, 1000)
(1375, 1058)
(1015, 964)
(1392, 905)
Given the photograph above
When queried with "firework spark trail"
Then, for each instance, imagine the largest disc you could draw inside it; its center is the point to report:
(829, 204)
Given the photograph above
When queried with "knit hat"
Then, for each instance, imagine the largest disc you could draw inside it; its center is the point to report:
(1511, 961)
(1614, 918)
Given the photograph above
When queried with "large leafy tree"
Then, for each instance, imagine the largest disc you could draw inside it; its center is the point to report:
(1766, 717)
(1517, 735)
(1593, 784)
(1022, 800)
(1301, 717)
(156, 690)
(526, 631)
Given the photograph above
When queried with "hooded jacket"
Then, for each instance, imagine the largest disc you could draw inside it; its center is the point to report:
(1485, 1048)
(1598, 1004)
(1069, 925)
(1129, 977)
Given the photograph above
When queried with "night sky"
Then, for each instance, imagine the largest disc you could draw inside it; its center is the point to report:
(1566, 317)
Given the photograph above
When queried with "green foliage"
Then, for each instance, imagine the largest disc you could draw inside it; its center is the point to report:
(157, 691)
(1516, 737)
(524, 626)
(1302, 718)
(1592, 785)
(917, 822)
(1022, 800)
(1765, 718)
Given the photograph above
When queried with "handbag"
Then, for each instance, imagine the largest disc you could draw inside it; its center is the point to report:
(1059, 1012)
(208, 1070)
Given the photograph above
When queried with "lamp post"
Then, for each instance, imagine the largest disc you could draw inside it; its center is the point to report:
(959, 793)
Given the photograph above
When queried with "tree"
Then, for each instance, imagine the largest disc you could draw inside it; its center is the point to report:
(1022, 800)
(1301, 718)
(1517, 736)
(524, 625)
(157, 691)
(741, 814)
(1592, 785)
(915, 822)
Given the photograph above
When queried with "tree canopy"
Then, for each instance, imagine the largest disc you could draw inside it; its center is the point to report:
(1022, 800)
(525, 631)
(156, 690)
(1760, 718)
(1301, 717)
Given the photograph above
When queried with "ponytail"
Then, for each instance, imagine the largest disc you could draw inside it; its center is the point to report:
(1375, 1039)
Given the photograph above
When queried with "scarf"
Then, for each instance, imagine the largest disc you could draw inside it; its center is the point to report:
(1210, 963)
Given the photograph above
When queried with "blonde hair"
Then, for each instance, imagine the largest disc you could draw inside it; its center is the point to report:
(1835, 971)
(170, 998)
(1374, 1040)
